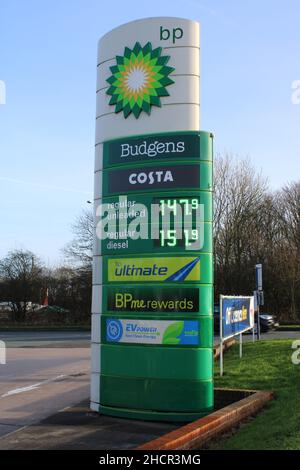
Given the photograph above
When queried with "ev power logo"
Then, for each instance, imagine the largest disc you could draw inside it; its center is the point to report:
(139, 79)
(168, 332)
(114, 330)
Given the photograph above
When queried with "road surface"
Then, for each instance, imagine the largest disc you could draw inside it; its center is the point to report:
(271, 335)
(47, 371)
(72, 339)
(49, 339)
(37, 382)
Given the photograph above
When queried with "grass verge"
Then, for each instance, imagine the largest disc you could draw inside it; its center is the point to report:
(266, 365)
(288, 328)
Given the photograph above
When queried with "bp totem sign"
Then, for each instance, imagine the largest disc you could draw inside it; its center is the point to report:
(152, 327)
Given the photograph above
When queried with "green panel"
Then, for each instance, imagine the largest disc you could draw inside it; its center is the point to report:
(158, 395)
(193, 300)
(165, 146)
(147, 415)
(204, 327)
(157, 362)
(183, 176)
(188, 267)
(129, 207)
(171, 240)
(157, 297)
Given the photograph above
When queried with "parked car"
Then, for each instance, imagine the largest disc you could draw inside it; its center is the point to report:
(216, 318)
(5, 307)
(267, 322)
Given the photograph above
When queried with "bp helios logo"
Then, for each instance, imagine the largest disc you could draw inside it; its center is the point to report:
(114, 330)
(139, 79)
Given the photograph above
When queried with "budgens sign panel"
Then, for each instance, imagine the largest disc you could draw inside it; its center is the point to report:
(152, 328)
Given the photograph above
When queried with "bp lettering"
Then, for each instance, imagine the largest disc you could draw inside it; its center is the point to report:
(175, 34)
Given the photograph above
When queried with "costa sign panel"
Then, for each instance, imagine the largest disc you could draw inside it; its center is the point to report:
(188, 176)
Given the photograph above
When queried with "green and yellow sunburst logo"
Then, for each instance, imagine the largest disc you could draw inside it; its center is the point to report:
(139, 79)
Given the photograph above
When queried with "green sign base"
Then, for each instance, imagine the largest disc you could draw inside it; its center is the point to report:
(152, 415)
(156, 398)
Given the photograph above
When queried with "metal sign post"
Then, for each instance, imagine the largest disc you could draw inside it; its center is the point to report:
(255, 309)
(241, 345)
(221, 338)
(259, 287)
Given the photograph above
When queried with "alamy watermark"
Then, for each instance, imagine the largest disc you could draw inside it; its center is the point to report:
(296, 353)
(2, 353)
(169, 222)
(2, 92)
(295, 97)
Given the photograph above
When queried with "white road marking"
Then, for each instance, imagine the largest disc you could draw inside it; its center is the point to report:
(29, 388)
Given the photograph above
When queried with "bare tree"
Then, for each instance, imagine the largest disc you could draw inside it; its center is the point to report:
(21, 275)
(289, 213)
(71, 289)
(77, 284)
(80, 249)
(239, 198)
(253, 224)
(288, 251)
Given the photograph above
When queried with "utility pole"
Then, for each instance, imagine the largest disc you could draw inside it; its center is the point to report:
(259, 293)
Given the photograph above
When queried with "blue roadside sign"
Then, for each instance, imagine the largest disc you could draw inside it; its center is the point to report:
(237, 315)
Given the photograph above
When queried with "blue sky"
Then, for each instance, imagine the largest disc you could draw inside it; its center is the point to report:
(249, 59)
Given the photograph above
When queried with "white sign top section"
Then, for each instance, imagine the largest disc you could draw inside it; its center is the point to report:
(162, 31)
(148, 78)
